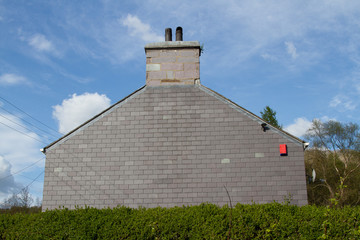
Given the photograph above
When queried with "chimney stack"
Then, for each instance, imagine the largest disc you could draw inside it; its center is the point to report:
(173, 63)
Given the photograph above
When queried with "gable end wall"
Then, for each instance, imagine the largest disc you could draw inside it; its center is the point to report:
(172, 146)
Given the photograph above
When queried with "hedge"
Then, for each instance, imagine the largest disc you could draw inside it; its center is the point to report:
(206, 221)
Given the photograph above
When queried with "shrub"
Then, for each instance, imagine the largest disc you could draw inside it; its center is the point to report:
(206, 221)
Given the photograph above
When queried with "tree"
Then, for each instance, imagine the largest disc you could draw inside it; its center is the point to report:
(22, 199)
(25, 198)
(335, 156)
(12, 201)
(269, 116)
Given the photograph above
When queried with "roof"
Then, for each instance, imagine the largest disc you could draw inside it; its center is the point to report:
(142, 89)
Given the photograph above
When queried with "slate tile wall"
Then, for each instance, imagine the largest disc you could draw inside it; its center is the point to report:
(173, 146)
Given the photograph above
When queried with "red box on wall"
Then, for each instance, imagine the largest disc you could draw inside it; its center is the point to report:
(283, 149)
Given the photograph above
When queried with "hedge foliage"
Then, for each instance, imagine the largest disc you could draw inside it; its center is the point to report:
(206, 221)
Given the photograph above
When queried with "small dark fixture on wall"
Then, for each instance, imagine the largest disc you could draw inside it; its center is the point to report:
(263, 125)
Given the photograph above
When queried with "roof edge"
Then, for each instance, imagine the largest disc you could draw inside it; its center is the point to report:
(106, 111)
(252, 114)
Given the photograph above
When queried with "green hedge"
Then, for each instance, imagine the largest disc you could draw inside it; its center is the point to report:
(206, 221)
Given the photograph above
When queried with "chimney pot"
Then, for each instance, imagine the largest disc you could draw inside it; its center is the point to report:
(168, 34)
(179, 34)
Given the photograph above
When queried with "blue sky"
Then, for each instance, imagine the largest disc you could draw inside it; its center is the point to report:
(62, 62)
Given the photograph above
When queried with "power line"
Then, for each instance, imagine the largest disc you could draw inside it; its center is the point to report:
(28, 114)
(22, 133)
(30, 183)
(27, 177)
(27, 123)
(1, 179)
(16, 123)
(34, 179)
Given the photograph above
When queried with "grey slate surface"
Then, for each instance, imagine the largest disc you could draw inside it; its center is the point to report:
(168, 146)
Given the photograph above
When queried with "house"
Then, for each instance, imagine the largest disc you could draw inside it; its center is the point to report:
(174, 142)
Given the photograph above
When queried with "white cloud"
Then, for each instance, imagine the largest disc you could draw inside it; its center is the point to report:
(291, 49)
(343, 103)
(299, 127)
(267, 56)
(17, 152)
(358, 88)
(139, 29)
(7, 181)
(40, 43)
(335, 101)
(12, 79)
(326, 119)
(259, 28)
(117, 40)
(19, 149)
(79, 108)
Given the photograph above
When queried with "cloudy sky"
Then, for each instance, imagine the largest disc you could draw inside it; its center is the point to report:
(61, 62)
